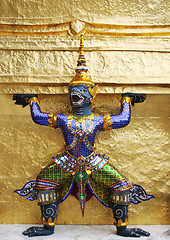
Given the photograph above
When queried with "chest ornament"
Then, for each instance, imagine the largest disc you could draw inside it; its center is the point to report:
(80, 134)
(80, 127)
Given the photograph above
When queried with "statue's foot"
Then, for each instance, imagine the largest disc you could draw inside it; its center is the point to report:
(133, 232)
(38, 231)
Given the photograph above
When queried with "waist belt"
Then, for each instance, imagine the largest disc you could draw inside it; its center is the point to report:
(93, 162)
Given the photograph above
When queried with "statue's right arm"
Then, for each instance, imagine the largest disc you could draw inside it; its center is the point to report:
(38, 116)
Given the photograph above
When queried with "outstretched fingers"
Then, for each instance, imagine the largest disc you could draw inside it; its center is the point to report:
(15, 97)
(18, 99)
(140, 99)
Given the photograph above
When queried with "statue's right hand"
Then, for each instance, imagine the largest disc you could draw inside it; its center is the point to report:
(22, 99)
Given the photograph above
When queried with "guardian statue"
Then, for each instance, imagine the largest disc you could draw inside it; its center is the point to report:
(81, 170)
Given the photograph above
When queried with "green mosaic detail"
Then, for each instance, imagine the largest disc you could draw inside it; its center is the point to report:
(54, 173)
(102, 179)
(107, 176)
(99, 182)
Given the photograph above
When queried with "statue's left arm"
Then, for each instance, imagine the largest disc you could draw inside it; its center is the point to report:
(123, 118)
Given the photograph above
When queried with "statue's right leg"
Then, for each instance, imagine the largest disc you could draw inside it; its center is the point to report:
(49, 183)
(49, 214)
(48, 203)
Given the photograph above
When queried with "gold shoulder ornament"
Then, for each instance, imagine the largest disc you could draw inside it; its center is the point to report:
(93, 92)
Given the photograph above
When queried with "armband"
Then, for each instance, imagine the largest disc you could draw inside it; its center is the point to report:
(106, 122)
(52, 120)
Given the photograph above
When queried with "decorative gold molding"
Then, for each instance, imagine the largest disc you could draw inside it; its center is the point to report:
(66, 78)
(78, 27)
(57, 89)
(119, 34)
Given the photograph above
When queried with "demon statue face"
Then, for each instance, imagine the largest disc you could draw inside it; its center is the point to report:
(79, 95)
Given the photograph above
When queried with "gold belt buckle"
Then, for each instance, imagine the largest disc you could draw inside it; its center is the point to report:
(81, 161)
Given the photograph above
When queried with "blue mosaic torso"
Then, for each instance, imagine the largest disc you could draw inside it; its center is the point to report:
(80, 134)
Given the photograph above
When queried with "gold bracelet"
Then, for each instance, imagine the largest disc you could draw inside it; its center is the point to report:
(126, 99)
(33, 99)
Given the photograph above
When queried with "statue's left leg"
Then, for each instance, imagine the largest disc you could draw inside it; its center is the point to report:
(109, 184)
(120, 213)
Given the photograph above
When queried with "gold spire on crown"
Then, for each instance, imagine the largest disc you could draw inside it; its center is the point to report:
(81, 76)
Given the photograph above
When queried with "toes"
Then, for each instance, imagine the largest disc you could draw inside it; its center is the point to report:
(32, 235)
(142, 232)
(25, 233)
(134, 234)
(35, 232)
(28, 231)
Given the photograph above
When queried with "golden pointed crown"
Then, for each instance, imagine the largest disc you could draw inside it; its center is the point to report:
(81, 76)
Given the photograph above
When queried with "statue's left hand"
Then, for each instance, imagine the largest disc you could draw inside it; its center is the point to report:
(22, 99)
(136, 98)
